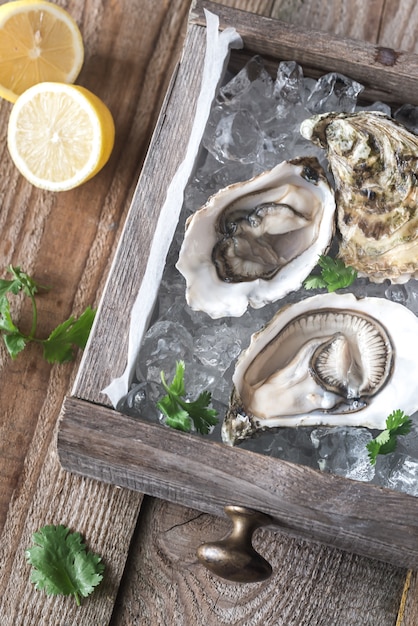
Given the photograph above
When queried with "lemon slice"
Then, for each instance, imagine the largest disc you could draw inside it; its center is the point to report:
(39, 41)
(59, 135)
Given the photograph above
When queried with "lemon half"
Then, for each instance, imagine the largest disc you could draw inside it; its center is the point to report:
(39, 41)
(59, 135)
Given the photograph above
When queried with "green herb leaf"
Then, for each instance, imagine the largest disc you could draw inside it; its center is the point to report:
(22, 282)
(58, 348)
(14, 343)
(59, 345)
(6, 322)
(181, 414)
(13, 339)
(334, 275)
(61, 564)
(373, 448)
(177, 384)
(397, 424)
(314, 282)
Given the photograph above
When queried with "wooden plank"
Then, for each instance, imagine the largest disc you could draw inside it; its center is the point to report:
(105, 516)
(67, 241)
(159, 587)
(261, 7)
(353, 20)
(106, 356)
(398, 25)
(408, 609)
(386, 73)
(100, 443)
(164, 584)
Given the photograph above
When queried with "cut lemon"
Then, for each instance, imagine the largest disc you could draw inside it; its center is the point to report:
(39, 41)
(59, 135)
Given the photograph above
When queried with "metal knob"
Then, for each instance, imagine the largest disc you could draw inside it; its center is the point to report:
(234, 557)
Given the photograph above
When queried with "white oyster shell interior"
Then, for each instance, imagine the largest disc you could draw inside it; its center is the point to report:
(256, 241)
(328, 360)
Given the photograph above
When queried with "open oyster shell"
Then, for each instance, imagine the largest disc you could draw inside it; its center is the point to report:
(327, 360)
(255, 241)
(374, 163)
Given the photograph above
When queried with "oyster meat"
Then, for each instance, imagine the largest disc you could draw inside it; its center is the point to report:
(330, 360)
(374, 163)
(255, 241)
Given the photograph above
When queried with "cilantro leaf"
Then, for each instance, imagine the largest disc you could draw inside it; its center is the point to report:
(59, 345)
(8, 286)
(22, 282)
(176, 417)
(58, 348)
(12, 337)
(14, 343)
(6, 322)
(334, 275)
(177, 384)
(182, 414)
(314, 282)
(397, 423)
(203, 418)
(373, 448)
(61, 564)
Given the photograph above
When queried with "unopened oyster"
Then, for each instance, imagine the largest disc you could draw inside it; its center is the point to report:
(328, 360)
(255, 241)
(374, 163)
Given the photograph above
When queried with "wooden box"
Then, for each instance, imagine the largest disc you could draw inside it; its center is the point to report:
(97, 441)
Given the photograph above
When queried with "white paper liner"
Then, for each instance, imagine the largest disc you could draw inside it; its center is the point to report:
(218, 46)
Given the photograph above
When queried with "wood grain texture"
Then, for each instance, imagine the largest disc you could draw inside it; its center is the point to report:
(68, 241)
(355, 20)
(100, 443)
(104, 363)
(104, 515)
(387, 74)
(43, 231)
(398, 25)
(311, 585)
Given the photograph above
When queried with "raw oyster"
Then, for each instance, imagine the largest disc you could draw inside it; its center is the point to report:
(374, 163)
(255, 241)
(330, 360)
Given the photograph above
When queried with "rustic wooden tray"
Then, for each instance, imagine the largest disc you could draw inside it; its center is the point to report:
(97, 441)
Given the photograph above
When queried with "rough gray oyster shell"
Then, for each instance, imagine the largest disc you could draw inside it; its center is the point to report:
(374, 163)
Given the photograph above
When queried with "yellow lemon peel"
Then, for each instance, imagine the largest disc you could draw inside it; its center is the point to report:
(39, 41)
(59, 135)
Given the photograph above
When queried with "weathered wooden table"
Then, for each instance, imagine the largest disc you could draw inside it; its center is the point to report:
(68, 241)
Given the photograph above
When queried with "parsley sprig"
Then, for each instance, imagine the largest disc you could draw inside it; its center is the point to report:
(61, 563)
(334, 275)
(182, 414)
(58, 347)
(396, 424)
